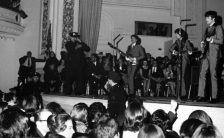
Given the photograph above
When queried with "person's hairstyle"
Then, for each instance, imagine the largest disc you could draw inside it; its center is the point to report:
(56, 123)
(9, 96)
(134, 116)
(13, 123)
(138, 39)
(106, 129)
(207, 131)
(151, 131)
(55, 108)
(95, 111)
(189, 126)
(212, 14)
(182, 33)
(29, 103)
(3, 106)
(160, 118)
(201, 115)
(79, 112)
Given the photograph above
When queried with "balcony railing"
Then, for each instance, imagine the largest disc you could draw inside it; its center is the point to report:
(10, 22)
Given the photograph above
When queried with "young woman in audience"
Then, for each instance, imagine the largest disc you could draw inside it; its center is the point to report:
(79, 117)
(134, 116)
(145, 72)
(13, 123)
(95, 111)
(106, 128)
(151, 131)
(188, 127)
(55, 108)
(60, 124)
(207, 131)
(201, 115)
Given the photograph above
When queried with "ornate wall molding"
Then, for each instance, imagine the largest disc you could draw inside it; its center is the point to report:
(156, 4)
(45, 23)
(68, 16)
(10, 22)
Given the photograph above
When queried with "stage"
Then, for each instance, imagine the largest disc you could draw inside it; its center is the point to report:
(216, 111)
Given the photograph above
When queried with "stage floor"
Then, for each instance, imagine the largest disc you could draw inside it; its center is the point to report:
(216, 111)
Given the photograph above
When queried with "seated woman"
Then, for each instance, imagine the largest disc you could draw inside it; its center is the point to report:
(151, 131)
(79, 117)
(145, 72)
(60, 124)
(170, 80)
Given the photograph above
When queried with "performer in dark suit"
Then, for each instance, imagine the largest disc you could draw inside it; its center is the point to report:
(213, 39)
(137, 53)
(182, 47)
(27, 66)
(75, 65)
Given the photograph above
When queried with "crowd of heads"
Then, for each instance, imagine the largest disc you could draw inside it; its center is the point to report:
(23, 119)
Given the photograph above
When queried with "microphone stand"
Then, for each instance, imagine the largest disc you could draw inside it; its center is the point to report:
(113, 51)
(118, 43)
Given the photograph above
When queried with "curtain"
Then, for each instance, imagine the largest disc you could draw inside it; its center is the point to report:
(89, 22)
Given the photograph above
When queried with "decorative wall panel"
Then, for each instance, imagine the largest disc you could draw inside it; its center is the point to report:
(68, 14)
(45, 24)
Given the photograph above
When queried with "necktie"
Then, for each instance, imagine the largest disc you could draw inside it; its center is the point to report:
(29, 64)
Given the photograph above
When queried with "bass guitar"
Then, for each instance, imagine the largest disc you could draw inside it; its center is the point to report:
(130, 59)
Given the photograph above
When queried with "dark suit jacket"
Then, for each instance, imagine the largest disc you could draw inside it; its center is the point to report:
(32, 69)
(184, 46)
(217, 40)
(137, 51)
(76, 56)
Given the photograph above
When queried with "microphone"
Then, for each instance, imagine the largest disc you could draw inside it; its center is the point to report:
(119, 40)
(116, 37)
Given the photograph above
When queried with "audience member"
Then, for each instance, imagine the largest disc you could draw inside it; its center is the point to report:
(188, 127)
(151, 131)
(201, 115)
(134, 117)
(207, 131)
(13, 123)
(55, 108)
(107, 128)
(60, 124)
(79, 115)
(95, 111)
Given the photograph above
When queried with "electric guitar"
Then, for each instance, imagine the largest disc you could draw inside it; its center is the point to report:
(204, 43)
(132, 60)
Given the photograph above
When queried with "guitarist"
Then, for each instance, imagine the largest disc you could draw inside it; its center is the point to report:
(182, 47)
(213, 39)
(135, 53)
